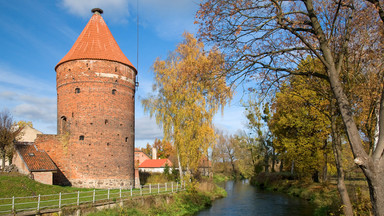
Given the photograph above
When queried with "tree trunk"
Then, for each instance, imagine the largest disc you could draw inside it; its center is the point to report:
(376, 185)
(292, 167)
(336, 145)
(180, 168)
(253, 163)
(315, 176)
(281, 165)
(325, 168)
(3, 161)
(273, 160)
(233, 167)
(266, 162)
(372, 167)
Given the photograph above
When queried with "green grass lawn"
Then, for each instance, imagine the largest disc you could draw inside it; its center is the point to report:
(27, 191)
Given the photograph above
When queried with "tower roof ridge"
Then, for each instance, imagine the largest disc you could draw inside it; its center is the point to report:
(96, 42)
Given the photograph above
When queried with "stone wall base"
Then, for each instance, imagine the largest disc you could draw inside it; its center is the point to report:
(103, 183)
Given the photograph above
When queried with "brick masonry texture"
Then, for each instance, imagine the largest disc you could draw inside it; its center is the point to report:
(95, 120)
(43, 177)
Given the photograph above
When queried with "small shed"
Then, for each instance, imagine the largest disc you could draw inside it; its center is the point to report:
(31, 161)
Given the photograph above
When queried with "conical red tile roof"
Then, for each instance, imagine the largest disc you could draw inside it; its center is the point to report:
(96, 42)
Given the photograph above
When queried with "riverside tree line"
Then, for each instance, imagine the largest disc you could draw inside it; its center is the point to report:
(316, 72)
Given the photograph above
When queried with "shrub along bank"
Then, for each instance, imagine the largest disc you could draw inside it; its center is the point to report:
(324, 196)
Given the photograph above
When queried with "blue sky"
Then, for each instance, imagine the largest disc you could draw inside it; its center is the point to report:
(35, 35)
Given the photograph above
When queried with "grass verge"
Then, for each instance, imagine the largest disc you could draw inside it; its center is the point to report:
(189, 202)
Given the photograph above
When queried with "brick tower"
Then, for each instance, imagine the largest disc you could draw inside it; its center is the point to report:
(95, 110)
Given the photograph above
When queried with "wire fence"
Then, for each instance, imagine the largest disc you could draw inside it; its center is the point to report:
(16, 205)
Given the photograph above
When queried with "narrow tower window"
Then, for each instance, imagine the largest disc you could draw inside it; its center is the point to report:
(77, 90)
(63, 124)
(81, 137)
(113, 91)
(126, 139)
(115, 69)
(106, 121)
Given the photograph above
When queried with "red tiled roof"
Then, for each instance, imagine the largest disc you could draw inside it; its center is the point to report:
(96, 42)
(155, 163)
(34, 159)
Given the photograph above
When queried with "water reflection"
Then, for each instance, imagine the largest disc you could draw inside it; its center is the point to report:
(244, 199)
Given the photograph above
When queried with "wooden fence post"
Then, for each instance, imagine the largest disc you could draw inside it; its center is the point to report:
(179, 187)
(93, 197)
(38, 203)
(60, 200)
(13, 204)
(78, 197)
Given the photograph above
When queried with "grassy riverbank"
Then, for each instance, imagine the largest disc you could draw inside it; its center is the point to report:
(189, 202)
(15, 184)
(197, 197)
(323, 195)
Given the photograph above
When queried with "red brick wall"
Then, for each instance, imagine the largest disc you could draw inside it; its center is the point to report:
(106, 155)
(43, 177)
(58, 152)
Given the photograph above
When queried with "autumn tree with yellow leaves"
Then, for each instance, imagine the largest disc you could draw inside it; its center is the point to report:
(267, 39)
(189, 91)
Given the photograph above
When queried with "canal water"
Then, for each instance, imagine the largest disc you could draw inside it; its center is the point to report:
(245, 199)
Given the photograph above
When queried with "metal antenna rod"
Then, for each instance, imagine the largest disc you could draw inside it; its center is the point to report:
(137, 45)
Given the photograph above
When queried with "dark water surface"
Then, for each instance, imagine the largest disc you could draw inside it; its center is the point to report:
(245, 199)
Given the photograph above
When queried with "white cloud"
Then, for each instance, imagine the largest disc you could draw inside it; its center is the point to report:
(14, 78)
(30, 107)
(35, 112)
(117, 10)
(168, 18)
(146, 129)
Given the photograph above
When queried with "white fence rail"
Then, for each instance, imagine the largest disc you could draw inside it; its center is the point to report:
(16, 205)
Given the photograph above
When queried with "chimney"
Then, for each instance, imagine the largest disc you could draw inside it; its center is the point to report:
(154, 153)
